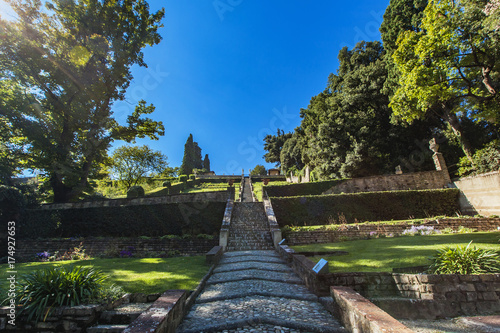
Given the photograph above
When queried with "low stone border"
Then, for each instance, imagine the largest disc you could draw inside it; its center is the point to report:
(226, 222)
(164, 315)
(360, 315)
(273, 223)
(359, 231)
(400, 294)
(214, 255)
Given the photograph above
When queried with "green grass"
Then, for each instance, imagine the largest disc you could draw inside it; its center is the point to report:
(147, 275)
(384, 254)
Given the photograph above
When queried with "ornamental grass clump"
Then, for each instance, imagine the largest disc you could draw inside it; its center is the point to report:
(465, 260)
(43, 290)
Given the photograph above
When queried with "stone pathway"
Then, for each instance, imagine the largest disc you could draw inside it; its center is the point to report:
(255, 291)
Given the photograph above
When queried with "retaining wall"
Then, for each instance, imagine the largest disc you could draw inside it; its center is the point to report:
(426, 180)
(155, 247)
(353, 231)
(402, 294)
(480, 194)
(216, 196)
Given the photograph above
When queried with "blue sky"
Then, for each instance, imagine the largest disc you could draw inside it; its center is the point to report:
(232, 71)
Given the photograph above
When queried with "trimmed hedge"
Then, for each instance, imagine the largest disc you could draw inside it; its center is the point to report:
(367, 206)
(126, 221)
(293, 190)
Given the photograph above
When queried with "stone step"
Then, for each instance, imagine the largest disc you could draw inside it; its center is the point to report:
(106, 329)
(124, 314)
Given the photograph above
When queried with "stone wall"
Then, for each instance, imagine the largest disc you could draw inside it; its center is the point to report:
(216, 196)
(480, 194)
(353, 231)
(26, 249)
(409, 181)
(447, 295)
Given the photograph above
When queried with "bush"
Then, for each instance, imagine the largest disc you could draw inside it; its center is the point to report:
(368, 206)
(192, 177)
(167, 184)
(484, 160)
(292, 190)
(135, 192)
(43, 290)
(126, 221)
(12, 204)
(183, 178)
(465, 260)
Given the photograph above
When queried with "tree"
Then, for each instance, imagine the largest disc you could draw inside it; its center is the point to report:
(273, 145)
(63, 67)
(192, 157)
(131, 163)
(399, 16)
(291, 154)
(206, 163)
(259, 170)
(451, 66)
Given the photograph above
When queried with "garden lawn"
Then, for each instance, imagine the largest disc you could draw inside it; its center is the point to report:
(144, 275)
(384, 254)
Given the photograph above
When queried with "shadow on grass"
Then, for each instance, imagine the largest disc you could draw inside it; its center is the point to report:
(146, 275)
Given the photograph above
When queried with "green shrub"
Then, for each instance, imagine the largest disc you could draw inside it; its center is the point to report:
(368, 206)
(483, 161)
(192, 177)
(43, 290)
(465, 260)
(183, 178)
(135, 192)
(12, 204)
(293, 190)
(167, 184)
(126, 221)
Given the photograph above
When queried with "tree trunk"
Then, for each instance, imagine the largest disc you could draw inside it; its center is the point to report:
(62, 193)
(454, 122)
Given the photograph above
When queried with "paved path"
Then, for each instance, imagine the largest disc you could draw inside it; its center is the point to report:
(247, 191)
(255, 291)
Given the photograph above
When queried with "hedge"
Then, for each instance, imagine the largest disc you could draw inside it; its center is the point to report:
(292, 190)
(126, 221)
(367, 206)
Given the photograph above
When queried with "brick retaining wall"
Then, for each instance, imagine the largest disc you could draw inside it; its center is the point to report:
(448, 295)
(353, 231)
(26, 249)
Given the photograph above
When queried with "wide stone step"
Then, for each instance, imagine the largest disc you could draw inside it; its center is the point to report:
(299, 314)
(124, 314)
(254, 274)
(107, 329)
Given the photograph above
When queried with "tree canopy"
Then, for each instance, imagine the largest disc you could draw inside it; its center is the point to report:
(63, 67)
(132, 163)
(451, 66)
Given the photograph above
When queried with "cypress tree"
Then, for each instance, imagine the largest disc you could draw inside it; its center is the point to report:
(206, 163)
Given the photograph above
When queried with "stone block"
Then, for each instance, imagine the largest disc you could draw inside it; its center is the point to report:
(471, 296)
(481, 286)
(469, 287)
(489, 296)
(488, 277)
(488, 307)
(469, 278)
(429, 278)
(455, 296)
(427, 296)
(468, 308)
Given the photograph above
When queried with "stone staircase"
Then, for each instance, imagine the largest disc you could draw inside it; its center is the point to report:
(116, 320)
(249, 229)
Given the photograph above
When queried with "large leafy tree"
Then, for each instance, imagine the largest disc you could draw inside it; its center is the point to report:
(399, 16)
(132, 163)
(63, 67)
(348, 127)
(273, 145)
(451, 66)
